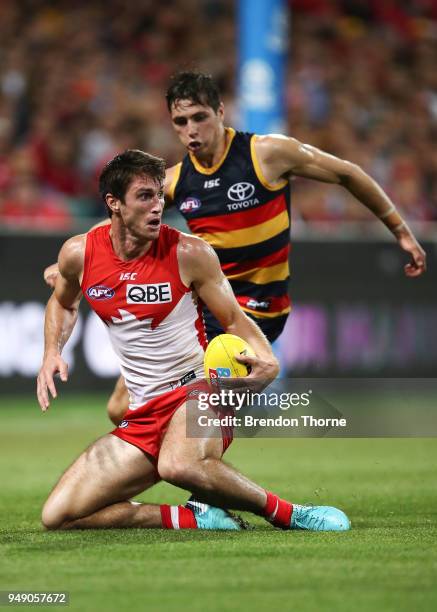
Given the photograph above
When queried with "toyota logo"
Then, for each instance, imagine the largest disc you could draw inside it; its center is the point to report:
(241, 191)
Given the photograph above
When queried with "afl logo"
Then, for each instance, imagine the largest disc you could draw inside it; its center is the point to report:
(241, 191)
(189, 205)
(100, 292)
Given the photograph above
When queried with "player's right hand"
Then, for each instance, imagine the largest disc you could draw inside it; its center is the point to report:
(52, 365)
(50, 274)
(408, 243)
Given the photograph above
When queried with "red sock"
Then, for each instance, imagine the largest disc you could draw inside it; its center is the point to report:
(278, 511)
(177, 517)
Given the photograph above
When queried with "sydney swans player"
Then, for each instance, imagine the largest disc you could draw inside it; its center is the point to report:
(145, 281)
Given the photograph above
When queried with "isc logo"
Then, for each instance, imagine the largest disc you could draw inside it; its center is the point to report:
(100, 292)
(158, 293)
(211, 183)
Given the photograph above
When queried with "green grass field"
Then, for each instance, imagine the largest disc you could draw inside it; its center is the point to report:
(388, 561)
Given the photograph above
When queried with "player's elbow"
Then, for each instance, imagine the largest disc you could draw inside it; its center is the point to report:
(350, 173)
(236, 319)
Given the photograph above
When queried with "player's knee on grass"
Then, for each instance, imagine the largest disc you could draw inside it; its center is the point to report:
(53, 516)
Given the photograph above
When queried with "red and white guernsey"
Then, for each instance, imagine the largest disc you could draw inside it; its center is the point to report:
(154, 320)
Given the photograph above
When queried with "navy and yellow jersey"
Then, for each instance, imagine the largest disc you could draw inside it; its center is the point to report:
(245, 219)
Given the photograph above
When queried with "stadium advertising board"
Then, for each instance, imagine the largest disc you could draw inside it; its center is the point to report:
(354, 314)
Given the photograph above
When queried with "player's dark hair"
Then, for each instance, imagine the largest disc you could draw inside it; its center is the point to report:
(118, 173)
(195, 86)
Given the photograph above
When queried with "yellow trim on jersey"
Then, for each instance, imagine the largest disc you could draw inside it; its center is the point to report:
(262, 179)
(248, 236)
(174, 181)
(230, 135)
(266, 315)
(261, 276)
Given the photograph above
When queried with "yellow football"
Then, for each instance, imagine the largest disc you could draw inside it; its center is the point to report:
(220, 355)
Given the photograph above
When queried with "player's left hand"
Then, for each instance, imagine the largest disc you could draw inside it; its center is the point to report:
(408, 243)
(263, 371)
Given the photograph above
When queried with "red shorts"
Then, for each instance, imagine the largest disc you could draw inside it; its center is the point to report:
(146, 426)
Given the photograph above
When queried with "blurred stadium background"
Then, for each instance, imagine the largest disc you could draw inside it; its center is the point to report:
(81, 81)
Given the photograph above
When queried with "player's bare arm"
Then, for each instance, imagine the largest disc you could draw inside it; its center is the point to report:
(61, 315)
(282, 157)
(200, 268)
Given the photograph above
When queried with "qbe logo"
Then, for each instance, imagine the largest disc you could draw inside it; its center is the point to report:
(190, 205)
(100, 292)
(241, 191)
(156, 293)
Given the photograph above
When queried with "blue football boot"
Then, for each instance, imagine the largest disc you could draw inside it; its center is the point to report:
(319, 518)
(209, 517)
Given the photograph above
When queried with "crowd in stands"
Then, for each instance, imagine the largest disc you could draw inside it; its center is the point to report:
(81, 81)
